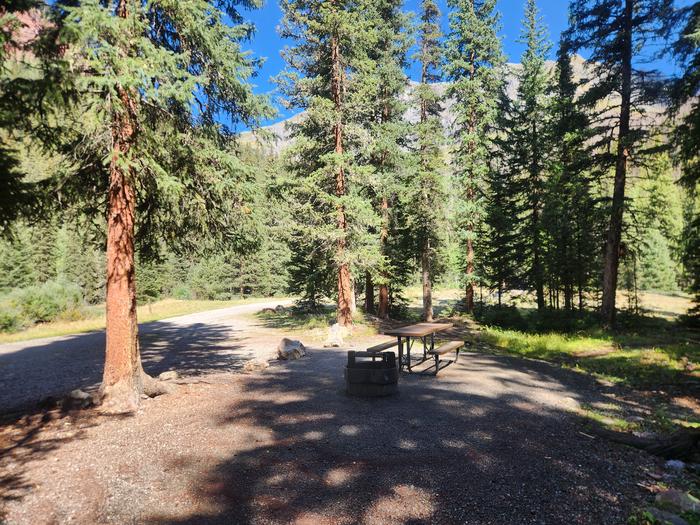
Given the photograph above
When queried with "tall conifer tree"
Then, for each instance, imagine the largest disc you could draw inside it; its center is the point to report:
(474, 65)
(571, 213)
(426, 189)
(687, 137)
(328, 42)
(525, 142)
(380, 81)
(615, 32)
(150, 81)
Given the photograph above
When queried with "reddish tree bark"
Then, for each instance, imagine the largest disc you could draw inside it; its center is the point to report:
(122, 382)
(345, 291)
(614, 236)
(369, 293)
(383, 312)
(427, 286)
(123, 378)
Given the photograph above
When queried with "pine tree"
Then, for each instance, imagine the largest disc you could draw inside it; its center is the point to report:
(524, 141)
(16, 269)
(331, 215)
(687, 138)
(379, 82)
(18, 90)
(571, 215)
(150, 82)
(426, 192)
(474, 65)
(502, 260)
(615, 31)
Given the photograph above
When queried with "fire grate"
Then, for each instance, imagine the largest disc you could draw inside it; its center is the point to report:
(371, 374)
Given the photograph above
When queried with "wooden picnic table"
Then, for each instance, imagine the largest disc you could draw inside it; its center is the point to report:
(409, 334)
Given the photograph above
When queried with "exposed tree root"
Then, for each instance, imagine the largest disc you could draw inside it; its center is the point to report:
(683, 444)
(153, 387)
(125, 396)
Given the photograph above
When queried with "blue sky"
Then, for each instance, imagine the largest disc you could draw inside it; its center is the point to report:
(267, 43)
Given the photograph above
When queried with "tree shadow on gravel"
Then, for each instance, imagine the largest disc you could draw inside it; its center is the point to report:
(33, 435)
(35, 373)
(489, 441)
(36, 378)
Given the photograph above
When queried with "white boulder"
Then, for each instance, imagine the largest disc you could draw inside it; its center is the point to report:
(289, 349)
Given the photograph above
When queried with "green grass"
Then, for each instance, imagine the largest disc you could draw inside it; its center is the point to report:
(636, 365)
(633, 359)
(313, 324)
(606, 419)
(94, 317)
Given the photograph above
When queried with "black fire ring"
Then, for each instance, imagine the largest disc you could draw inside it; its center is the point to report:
(371, 375)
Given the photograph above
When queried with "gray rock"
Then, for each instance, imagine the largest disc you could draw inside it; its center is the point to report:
(170, 375)
(678, 500)
(289, 349)
(280, 309)
(77, 399)
(255, 365)
(666, 517)
(79, 395)
(335, 336)
(674, 465)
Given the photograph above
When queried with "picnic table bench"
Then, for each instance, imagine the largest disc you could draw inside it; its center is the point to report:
(425, 332)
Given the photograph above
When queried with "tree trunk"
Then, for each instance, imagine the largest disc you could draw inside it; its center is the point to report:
(122, 380)
(426, 253)
(122, 383)
(383, 312)
(469, 295)
(369, 293)
(539, 278)
(612, 244)
(427, 285)
(471, 196)
(345, 291)
(384, 287)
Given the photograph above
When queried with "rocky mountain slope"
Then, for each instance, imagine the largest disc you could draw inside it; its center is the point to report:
(276, 138)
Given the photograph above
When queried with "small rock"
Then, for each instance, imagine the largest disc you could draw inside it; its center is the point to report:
(79, 395)
(678, 500)
(77, 399)
(335, 336)
(170, 375)
(289, 349)
(255, 365)
(674, 465)
(666, 517)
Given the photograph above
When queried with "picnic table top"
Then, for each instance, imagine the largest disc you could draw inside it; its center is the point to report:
(418, 330)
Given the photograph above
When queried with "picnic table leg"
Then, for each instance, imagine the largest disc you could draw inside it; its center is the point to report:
(408, 354)
(400, 354)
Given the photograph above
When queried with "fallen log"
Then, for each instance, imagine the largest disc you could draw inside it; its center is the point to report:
(683, 444)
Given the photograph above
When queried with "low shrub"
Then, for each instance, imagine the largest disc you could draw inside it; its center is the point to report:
(508, 317)
(11, 318)
(40, 304)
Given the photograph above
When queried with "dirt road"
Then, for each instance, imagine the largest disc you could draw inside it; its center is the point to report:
(193, 344)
